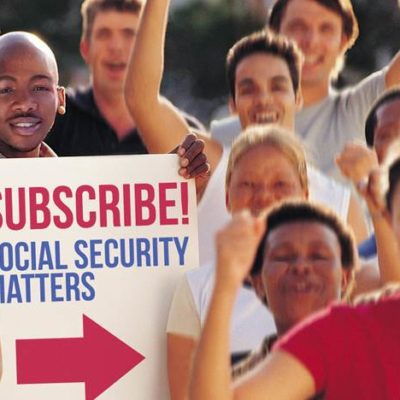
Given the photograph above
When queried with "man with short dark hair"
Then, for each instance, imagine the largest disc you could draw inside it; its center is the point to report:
(264, 71)
(97, 121)
(324, 30)
(361, 165)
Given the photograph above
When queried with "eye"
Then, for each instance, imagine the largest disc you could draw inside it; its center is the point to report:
(245, 90)
(103, 34)
(283, 259)
(41, 88)
(320, 259)
(327, 28)
(297, 26)
(279, 87)
(247, 184)
(280, 184)
(319, 256)
(6, 90)
(129, 33)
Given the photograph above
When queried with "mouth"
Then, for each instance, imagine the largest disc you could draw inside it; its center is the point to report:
(26, 126)
(266, 117)
(115, 66)
(302, 288)
(311, 61)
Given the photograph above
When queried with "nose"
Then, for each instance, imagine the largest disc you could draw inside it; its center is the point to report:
(264, 96)
(263, 197)
(24, 101)
(300, 266)
(115, 43)
(309, 39)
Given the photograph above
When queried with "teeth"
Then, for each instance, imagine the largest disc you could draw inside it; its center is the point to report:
(302, 287)
(311, 59)
(266, 117)
(25, 124)
(116, 65)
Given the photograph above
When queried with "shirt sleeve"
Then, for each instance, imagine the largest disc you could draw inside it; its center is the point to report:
(183, 318)
(358, 100)
(314, 343)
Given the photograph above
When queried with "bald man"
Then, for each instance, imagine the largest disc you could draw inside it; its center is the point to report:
(30, 98)
(29, 95)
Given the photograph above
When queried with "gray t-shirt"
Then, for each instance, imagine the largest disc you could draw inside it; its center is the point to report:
(324, 127)
(327, 126)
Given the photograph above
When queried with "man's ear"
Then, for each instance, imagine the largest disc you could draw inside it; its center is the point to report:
(61, 109)
(227, 201)
(344, 44)
(299, 100)
(84, 49)
(232, 105)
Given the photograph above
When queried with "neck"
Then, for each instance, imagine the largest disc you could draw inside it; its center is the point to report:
(313, 93)
(281, 329)
(113, 108)
(108, 100)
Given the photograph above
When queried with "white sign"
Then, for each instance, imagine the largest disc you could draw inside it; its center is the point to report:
(90, 252)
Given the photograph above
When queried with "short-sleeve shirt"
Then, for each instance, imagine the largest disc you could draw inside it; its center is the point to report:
(351, 352)
(324, 127)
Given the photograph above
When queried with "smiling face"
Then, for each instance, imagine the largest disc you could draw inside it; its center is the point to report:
(264, 91)
(107, 49)
(302, 271)
(29, 97)
(318, 31)
(262, 177)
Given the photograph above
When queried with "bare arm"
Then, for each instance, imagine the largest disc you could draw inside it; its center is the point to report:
(161, 125)
(360, 165)
(356, 219)
(180, 351)
(236, 247)
(392, 77)
(281, 377)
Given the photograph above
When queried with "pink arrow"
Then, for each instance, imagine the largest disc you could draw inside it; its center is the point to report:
(99, 359)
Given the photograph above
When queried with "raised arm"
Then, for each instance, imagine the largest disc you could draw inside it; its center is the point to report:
(160, 124)
(392, 77)
(281, 376)
(360, 165)
(236, 247)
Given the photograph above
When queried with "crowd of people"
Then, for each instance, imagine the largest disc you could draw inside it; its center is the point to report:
(284, 239)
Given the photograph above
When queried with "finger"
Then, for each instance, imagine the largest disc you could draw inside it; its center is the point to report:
(197, 162)
(187, 142)
(194, 150)
(202, 171)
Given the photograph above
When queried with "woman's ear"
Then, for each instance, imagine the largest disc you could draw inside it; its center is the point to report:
(258, 286)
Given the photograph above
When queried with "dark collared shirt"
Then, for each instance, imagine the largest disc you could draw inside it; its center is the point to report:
(83, 131)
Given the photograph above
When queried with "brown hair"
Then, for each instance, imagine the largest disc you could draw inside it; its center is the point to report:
(343, 8)
(264, 42)
(90, 8)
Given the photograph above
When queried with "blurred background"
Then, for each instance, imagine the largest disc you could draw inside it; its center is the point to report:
(199, 34)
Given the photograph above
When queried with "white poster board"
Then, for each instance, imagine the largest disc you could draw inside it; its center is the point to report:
(91, 249)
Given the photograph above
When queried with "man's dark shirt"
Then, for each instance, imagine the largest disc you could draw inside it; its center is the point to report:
(83, 131)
